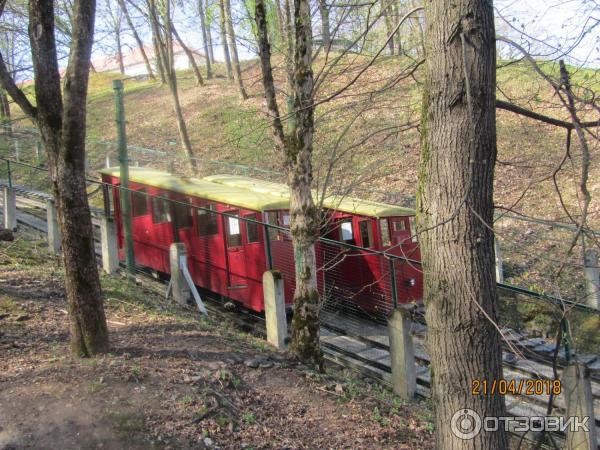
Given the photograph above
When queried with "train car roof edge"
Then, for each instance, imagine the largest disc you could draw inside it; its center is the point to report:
(350, 205)
(229, 195)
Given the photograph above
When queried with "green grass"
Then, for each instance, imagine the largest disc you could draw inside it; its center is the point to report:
(249, 418)
(186, 400)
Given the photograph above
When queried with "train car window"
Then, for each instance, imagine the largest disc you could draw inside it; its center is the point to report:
(160, 210)
(139, 203)
(413, 228)
(366, 233)
(207, 221)
(385, 232)
(252, 232)
(183, 214)
(285, 220)
(346, 231)
(399, 225)
(234, 233)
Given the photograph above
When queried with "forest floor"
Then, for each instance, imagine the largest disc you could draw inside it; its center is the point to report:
(172, 379)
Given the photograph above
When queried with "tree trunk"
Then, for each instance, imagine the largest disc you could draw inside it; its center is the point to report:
(6, 117)
(280, 22)
(209, 32)
(224, 40)
(205, 39)
(190, 56)
(455, 212)
(395, 20)
(61, 121)
(296, 150)
(164, 41)
(119, 50)
(325, 35)
(138, 41)
(304, 223)
(289, 63)
(159, 67)
(234, 52)
(389, 26)
(181, 125)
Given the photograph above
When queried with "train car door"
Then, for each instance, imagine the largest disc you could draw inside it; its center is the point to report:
(236, 260)
(401, 235)
(342, 281)
(409, 279)
(182, 219)
(161, 231)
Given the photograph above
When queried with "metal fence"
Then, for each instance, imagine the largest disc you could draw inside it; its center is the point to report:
(355, 282)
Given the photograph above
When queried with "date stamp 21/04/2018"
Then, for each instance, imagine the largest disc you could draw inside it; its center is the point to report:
(515, 387)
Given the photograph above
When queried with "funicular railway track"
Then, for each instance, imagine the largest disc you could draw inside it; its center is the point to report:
(363, 346)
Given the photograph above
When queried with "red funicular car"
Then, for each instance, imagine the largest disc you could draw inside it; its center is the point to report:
(229, 256)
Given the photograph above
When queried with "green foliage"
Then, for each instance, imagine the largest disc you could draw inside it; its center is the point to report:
(210, 12)
(249, 418)
(186, 400)
(379, 418)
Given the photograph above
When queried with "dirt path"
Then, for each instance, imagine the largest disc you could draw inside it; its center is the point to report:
(171, 381)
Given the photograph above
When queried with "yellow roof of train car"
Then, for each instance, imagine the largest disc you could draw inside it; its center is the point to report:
(230, 195)
(335, 202)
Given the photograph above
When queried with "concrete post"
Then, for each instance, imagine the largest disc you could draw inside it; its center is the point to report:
(577, 386)
(107, 161)
(110, 249)
(499, 266)
(592, 278)
(402, 354)
(9, 203)
(275, 308)
(17, 150)
(53, 231)
(181, 290)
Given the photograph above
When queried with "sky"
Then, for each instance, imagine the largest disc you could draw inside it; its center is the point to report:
(553, 27)
(547, 28)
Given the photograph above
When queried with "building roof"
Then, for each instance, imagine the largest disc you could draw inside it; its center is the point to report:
(335, 202)
(230, 195)
(133, 56)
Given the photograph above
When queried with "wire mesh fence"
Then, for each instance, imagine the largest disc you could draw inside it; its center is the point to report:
(354, 283)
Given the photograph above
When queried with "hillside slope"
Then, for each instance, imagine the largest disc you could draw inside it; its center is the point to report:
(371, 133)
